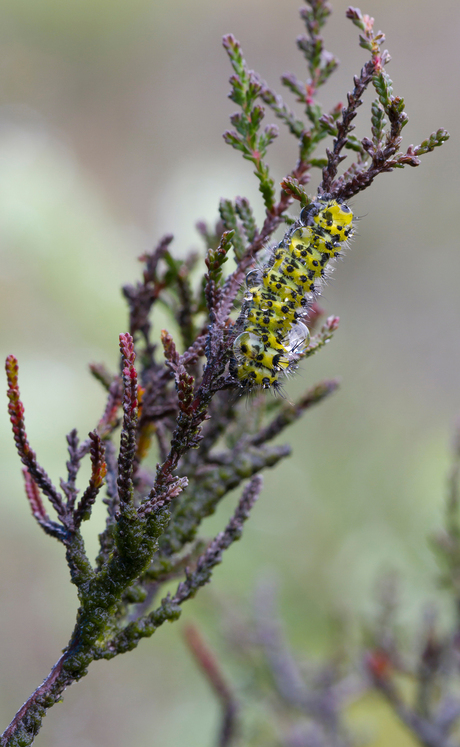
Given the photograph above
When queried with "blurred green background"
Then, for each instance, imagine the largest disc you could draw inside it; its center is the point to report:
(110, 135)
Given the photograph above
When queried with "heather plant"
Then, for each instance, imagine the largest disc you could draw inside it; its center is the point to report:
(187, 404)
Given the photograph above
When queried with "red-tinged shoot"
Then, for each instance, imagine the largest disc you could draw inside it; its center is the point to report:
(169, 347)
(185, 392)
(98, 473)
(98, 463)
(16, 408)
(34, 497)
(130, 412)
(129, 373)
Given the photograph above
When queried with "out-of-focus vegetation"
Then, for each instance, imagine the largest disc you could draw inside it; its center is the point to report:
(111, 115)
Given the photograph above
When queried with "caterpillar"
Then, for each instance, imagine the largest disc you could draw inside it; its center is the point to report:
(271, 326)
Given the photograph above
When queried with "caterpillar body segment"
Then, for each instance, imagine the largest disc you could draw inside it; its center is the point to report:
(273, 334)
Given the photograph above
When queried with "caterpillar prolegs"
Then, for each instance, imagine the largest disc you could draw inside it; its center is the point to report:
(272, 330)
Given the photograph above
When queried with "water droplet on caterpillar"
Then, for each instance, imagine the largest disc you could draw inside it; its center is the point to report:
(252, 278)
(247, 344)
(298, 339)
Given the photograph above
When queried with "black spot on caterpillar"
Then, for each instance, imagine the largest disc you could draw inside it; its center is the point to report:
(272, 330)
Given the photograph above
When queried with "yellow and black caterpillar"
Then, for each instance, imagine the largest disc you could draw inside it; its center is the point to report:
(273, 334)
